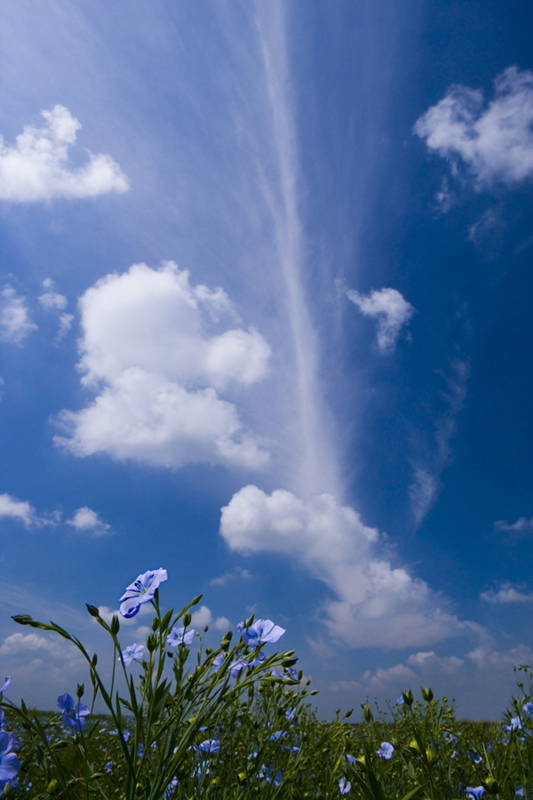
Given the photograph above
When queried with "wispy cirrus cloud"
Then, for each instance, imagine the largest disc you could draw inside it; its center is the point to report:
(436, 455)
(494, 142)
(36, 167)
(521, 526)
(237, 574)
(390, 310)
(160, 352)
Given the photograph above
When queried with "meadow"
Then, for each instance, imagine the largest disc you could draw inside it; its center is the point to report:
(238, 721)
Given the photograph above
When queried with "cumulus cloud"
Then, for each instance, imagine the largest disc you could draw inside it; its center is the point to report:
(20, 510)
(483, 672)
(37, 166)
(391, 311)
(158, 352)
(85, 520)
(51, 300)
(495, 142)
(376, 603)
(506, 594)
(15, 322)
(204, 616)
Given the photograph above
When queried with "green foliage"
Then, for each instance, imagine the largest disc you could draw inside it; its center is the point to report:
(188, 729)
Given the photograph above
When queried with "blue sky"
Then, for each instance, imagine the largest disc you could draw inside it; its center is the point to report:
(264, 322)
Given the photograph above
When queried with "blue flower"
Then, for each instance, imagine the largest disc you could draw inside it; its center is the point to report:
(528, 708)
(385, 751)
(516, 724)
(290, 714)
(6, 684)
(72, 712)
(219, 660)
(344, 786)
(132, 653)
(109, 766)
(210, 746)
(141, 591)
(9, 763)
(258, 659)
(180, 636)
(263, 631)
(400, 701)
(475, 792)
(170, 788)
(276, 780)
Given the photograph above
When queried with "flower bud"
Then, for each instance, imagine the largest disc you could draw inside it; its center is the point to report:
(155, 624)
(408, 698)
(80, 689)
(196, 600)
(348, 713)
(428, 695)
(94, 660)
(367, 712)
(93, 611)
(115, 625)
(186, 620)
(491, 785)
(151, 643)
(226, 639)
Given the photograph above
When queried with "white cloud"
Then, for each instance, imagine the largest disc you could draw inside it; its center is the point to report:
(22, 644)
(158, 351)
(87, 520)
(391, 311)
(15, 323)
(17, 509)
(51, 300)
(65, 324)
(204, 616)
(425, 489)
(377, 603)
(522, 525)
(506, 594)
(481, 673)
(495, 142)
(238, 574)
(36, 167)
(24, 512)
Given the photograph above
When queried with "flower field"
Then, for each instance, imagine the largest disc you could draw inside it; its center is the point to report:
(237, 721)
